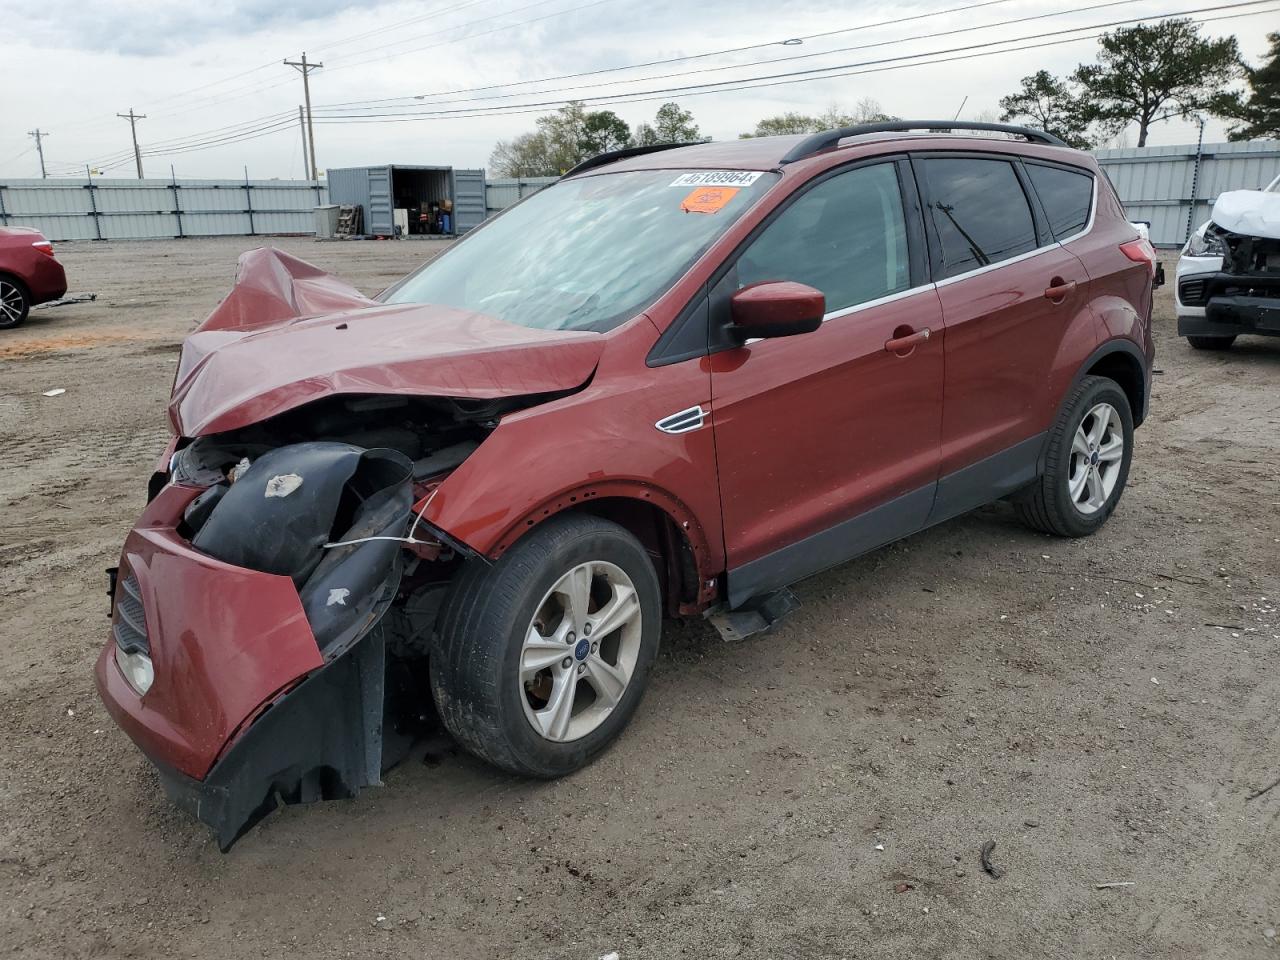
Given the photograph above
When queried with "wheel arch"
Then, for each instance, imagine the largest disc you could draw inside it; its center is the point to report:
(666, 528)
(1123, 362)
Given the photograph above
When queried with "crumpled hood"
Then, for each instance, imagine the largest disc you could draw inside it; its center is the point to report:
(262, 352)
(1251, 213)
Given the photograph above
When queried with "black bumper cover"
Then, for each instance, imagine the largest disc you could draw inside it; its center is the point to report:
(320, 741)
(1237, 304)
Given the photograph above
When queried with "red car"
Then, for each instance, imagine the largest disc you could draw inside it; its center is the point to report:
(29, 274)
(671, 384)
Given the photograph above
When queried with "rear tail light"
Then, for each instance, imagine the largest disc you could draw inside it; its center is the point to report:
(44, 246)
(1140, 250)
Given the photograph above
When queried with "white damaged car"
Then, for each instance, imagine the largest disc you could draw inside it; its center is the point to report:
(1228, 279)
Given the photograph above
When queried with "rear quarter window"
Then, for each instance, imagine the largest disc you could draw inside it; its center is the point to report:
(1067, 197)
(979, 211)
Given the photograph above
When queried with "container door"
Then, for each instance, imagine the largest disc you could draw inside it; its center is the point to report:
(377, 218)
(468, 200)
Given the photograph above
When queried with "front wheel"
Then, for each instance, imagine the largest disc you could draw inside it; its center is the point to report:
(1086, 462)
(541, 658)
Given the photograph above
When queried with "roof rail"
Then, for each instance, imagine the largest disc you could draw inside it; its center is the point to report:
(600, 159)
(829, 138)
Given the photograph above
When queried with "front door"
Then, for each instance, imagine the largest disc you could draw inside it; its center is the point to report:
(827, 442)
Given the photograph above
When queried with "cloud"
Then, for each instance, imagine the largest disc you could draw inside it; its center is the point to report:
(148, 29)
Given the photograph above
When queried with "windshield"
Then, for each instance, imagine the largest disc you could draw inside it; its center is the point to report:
(587, 253)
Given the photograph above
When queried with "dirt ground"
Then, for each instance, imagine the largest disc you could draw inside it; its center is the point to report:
(1101, 709)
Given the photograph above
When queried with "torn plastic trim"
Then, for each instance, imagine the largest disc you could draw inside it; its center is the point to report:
(321, 740)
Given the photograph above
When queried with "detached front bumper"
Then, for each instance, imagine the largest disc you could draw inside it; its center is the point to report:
(244, 712)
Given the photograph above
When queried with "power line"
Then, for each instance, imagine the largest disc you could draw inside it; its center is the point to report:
(802, 56)
(812, 72)
(791, 41)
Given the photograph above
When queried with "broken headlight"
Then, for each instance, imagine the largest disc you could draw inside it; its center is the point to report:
(1205, 244)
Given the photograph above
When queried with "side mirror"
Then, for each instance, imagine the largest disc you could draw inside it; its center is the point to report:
(777, 308)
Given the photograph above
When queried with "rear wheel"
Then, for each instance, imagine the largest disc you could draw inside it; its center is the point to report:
(1211, 343)
(541, 658)
(15, 303)
(1086, 463)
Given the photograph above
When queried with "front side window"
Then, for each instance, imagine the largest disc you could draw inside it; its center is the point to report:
(980, 212)
(846, 237)
(587, 253)
(1067, 197)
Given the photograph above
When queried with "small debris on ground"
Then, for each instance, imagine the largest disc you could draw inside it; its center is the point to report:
(56, 392)
(1114, 883)
(987, 865)
(903, 887)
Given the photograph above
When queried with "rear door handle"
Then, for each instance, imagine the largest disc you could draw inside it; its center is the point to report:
(1059, 291)
(907, 343)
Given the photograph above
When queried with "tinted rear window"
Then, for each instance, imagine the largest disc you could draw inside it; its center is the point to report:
(1067, 197)
(981, 214)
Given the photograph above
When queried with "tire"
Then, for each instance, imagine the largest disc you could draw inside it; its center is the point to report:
(15, 302)
(1211, 343)
(481, 678)
(1051, 504)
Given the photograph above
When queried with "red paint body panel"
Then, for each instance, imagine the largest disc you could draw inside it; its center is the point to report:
(224, 641)
(235, 374)
(601, 435)
(815, 429)
(40, 273)
(1003, 337)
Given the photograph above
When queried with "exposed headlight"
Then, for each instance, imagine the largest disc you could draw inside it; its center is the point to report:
(137, 670)
(1204, 244)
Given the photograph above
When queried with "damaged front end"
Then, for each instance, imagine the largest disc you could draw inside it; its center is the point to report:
(1243, 297)
(273, 606)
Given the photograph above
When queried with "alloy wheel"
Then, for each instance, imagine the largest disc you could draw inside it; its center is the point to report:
(12, 302)
(580, 651)
(1097, 453)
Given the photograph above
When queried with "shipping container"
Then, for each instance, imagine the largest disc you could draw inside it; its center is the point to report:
(438, 200)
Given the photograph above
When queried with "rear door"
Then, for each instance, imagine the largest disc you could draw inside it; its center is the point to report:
(827, 442)
(1010, 294)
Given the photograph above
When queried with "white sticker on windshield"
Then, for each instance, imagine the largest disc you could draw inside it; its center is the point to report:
(717, 178)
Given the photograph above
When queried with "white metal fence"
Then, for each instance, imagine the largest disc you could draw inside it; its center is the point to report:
(94, 209)
(500, 194)
(1174, 187)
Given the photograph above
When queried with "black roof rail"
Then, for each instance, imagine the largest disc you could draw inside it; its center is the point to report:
(600, 159)
(829, 138)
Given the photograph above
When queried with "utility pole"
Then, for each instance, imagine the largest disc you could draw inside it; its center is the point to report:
(133, 119)
(302, 125)
(38, 134)
(305, 69)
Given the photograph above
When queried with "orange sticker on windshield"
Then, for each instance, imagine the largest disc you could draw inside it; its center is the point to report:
(707, 199)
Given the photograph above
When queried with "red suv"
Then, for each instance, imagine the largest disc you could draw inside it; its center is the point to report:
(671, 384)
(29, 274)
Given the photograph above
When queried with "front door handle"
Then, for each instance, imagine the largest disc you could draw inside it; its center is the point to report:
(906, 343)
(1057, 291)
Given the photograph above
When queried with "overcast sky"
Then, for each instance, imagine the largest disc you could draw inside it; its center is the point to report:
(205, 70)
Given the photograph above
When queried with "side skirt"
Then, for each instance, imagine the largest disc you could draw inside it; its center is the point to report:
(979, 483)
